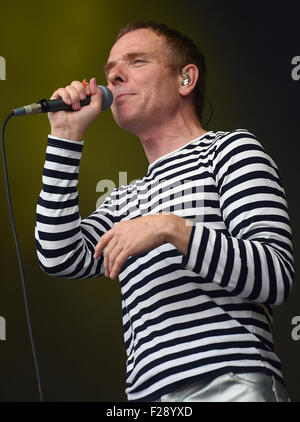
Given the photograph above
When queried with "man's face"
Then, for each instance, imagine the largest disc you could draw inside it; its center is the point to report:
(145, 88)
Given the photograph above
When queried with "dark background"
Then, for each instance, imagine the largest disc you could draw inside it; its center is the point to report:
(249, 48)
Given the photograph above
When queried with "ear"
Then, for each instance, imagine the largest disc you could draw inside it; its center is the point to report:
(188, 79)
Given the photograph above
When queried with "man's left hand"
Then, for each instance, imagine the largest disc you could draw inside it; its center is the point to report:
(129, 238)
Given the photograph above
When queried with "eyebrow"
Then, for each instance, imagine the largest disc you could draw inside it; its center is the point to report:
(127, 56)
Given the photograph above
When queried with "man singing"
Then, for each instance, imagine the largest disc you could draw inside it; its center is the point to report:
(201, 244)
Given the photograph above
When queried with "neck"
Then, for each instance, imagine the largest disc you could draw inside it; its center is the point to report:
(164, 138)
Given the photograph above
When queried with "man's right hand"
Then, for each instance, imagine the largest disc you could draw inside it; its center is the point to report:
(72, 124)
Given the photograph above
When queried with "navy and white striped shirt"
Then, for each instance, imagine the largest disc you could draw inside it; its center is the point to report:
(193, 317)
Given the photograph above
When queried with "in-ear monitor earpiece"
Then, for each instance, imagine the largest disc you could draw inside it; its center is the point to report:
(186, 79)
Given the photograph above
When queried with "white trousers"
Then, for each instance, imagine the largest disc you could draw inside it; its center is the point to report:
(230, 387)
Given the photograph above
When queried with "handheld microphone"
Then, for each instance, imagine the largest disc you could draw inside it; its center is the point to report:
(46, 106)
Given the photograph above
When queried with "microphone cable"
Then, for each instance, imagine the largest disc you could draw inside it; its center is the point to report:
(12, 221)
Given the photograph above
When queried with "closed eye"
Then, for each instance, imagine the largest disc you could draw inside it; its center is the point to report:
(138, 61)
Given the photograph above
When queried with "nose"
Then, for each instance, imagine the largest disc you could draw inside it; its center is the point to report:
(117, 74)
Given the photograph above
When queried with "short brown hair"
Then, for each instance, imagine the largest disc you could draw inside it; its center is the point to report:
(184, 52)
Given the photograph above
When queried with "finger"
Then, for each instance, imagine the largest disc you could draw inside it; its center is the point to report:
(106, 262)
(63, 94)
(103, 242)
(75, 97)
(96, 94)
(118, 264)
(94, 87)
(87, 88)
(115, 249)
(107, 256)
(80, 89)
(108, 252)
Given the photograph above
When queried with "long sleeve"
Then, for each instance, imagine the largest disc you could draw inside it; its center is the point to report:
(65, 243)
(254, 259)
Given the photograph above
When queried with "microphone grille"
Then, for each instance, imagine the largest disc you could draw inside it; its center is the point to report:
(107, 97)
